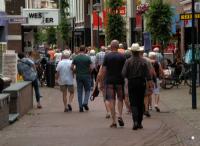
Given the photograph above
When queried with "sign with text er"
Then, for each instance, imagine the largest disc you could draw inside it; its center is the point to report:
(188, 16)
(41, 17)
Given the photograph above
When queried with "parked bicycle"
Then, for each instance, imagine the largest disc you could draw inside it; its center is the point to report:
(177, 74)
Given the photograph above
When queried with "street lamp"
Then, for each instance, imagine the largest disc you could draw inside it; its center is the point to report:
(97, 7)
(194, 67)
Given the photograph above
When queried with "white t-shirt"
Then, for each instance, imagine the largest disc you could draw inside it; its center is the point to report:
(65, 72)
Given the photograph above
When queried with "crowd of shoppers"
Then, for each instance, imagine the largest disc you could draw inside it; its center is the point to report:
(124, 76)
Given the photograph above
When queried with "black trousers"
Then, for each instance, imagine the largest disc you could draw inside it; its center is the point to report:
(136, 90)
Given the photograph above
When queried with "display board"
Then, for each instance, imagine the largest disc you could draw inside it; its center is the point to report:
(10, 65)
(3, 47)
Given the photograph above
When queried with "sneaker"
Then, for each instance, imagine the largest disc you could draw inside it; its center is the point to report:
(69, 107)
(86, 107)
(81, 110)
(147, 114)
(120, 121)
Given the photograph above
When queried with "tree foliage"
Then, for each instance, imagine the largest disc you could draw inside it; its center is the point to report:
(158, 21)
(116, 25)
(40, 36)
(64, 26)
(51, 35)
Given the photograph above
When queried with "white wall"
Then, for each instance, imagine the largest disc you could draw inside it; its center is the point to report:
(2, 5)
(77, 10)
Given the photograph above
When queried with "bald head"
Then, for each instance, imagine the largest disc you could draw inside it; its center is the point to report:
(114, 45)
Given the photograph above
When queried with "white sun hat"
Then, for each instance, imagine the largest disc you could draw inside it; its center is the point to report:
(135, 47)
(141, 48)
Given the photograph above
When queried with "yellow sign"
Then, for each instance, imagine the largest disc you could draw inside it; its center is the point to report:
(189, 16)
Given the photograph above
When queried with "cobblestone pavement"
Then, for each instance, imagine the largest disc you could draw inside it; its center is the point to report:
(50, 126)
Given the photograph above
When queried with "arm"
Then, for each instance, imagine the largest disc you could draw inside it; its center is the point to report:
(124, 70)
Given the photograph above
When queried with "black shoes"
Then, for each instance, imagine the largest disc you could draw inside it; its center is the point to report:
(140, 126)
(85, 106)
(137, 126)
(81, 110)
(120, 121)
(69, 107)
(157, 109)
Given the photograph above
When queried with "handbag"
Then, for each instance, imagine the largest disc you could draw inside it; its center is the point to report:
(95, 93)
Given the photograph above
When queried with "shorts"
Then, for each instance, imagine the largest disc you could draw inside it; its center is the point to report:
(69, 88)
(111, 90)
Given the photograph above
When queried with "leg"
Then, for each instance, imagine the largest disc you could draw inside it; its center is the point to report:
(127, 104)
(157, 99)
(37, 92)
(133, 90)
(86, 84)
(113, 113)
(146, 106)
(110, 96)
(120, 96)
(65, 98)
(80, 92)
(71, 96)
(106, 103)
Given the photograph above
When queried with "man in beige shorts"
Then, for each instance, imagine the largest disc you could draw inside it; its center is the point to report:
(65, 79)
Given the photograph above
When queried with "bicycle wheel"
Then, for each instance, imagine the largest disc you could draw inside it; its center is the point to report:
(167, 83)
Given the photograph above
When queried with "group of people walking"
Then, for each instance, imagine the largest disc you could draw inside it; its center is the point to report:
(123, 76)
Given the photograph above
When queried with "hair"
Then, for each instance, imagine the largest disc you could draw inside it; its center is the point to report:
(136, 53)
(82, 48)
(21, 55)
(114, 44)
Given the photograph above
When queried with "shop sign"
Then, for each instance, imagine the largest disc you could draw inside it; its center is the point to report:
(41, 17)
(188, 16)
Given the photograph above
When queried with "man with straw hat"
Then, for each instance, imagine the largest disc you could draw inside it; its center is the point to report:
(137, 73)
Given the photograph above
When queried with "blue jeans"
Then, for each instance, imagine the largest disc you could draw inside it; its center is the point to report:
(35, 85)
(83, 82)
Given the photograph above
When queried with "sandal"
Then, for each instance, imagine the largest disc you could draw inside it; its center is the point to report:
(113, 125)
(107, 116)
(120, 121)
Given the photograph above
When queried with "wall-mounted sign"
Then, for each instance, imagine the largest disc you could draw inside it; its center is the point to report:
(16, 19)
(44, 17)
(197, 7)
(188, 16)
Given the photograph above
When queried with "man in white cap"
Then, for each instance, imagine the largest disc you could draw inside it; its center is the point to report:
(137, 73)
(65, 79)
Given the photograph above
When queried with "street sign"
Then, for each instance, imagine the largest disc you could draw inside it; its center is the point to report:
(188, 16)
(16, 19)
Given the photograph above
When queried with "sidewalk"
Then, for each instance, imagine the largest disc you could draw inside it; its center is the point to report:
(52, 127)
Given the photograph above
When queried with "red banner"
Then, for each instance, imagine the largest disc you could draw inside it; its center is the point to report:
(138, 21)
(95, 20)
